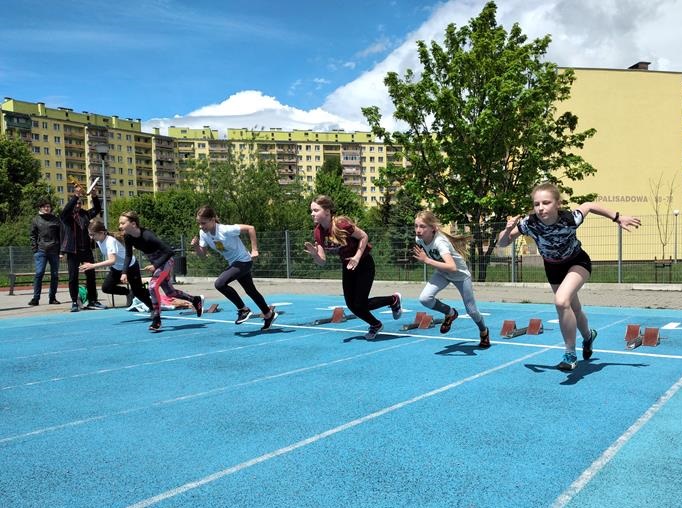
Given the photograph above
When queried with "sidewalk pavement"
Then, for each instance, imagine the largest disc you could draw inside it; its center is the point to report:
(655, 296)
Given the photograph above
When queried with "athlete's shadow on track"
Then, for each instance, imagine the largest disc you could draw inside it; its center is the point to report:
(382, 337)
(584, 368)
(460, 349)
(257, 333)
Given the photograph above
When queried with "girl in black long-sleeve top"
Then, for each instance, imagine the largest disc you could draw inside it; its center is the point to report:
(160, 256)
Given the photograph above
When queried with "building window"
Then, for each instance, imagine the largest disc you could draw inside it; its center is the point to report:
(47, 163)
(46, 138)
(317, 148)
(35, 137)
(58, 164)
(36, 149)
(60, 188)
(46, 150)
(35, 124)
(129, 137)
(44, 125)
(57, 151)
(381, 149)
(56, 126)
(57, 140)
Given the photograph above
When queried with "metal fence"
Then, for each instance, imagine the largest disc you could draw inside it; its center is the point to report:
(646, 255)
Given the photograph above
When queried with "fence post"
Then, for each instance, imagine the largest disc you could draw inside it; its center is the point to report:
(11, 260)
(513, 261)
(287, 252)
(620, 254)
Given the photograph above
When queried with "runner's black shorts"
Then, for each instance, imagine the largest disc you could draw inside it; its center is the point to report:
(556, 272)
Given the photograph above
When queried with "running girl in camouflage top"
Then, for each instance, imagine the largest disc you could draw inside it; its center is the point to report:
(567, 265)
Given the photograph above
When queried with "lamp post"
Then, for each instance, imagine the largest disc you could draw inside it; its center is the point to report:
(676, 213)
(103, 149)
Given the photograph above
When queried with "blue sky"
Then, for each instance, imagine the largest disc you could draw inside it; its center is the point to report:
(295, 64)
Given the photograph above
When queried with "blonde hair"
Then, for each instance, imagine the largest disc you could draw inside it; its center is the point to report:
(459, 242)
(337, 235)
(549, 187)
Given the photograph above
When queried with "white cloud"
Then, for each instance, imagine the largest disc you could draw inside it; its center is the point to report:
(585, 33)
(252, 110)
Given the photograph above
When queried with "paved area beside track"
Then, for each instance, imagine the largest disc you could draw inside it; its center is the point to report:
(655, 296)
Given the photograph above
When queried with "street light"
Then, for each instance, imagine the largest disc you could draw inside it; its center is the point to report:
(676, 213)
(103, 149)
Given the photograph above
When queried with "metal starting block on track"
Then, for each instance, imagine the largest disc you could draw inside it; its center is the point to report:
(509, 330)
(635, 338)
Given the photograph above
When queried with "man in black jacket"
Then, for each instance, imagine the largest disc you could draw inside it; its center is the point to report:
(45, 235)
(77, 245)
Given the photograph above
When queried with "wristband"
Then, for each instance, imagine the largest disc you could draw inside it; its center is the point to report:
(615, 219)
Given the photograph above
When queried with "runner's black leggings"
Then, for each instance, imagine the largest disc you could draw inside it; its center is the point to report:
(356, 287)
(241, 272)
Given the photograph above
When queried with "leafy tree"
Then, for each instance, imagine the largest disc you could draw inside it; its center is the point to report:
(329, 181)
(249, 194)
(18, 168)
(170, 214)
(482, 126)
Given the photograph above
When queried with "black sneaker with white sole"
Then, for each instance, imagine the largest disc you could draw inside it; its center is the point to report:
(267, 322)
(242, 315)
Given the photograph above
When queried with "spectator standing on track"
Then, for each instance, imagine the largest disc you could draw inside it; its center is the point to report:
(225, 240)
(113, 253)
(567, 265)
(45, 236)
(77, 245)
(160, 256)
(339, 235)
(447, 254)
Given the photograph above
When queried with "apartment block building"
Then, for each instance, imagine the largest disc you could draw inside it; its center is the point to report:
(74, 146)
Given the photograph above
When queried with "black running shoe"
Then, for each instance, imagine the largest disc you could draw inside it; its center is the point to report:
(198, 304)
(242, 315)
(33, 302)
(156, 324)
(587, 345)
(447, 321)
(268, 321)
(397, 308)
(54, 301)
(373, 331)
(485, 339)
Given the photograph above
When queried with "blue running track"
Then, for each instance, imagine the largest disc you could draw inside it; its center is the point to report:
(97, 411)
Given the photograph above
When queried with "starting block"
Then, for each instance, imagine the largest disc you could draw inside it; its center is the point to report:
(634, 337)
(338, 316)
(422, 320)
(509, 330)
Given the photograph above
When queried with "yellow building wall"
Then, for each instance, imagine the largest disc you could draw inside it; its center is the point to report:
(638, 118)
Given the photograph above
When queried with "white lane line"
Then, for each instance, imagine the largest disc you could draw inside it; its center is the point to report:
(143, 364)
(617, 445)
(103, 346)
(323, 435)
(322, 328)
(447, 338)
(206, 393)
